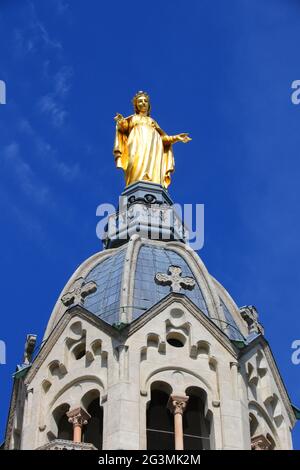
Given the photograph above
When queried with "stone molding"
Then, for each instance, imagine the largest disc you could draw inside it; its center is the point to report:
(205, 321)
(56, 333)
(61, 444)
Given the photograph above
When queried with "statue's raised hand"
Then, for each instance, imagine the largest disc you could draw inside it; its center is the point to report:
(118, 117)
(121, 122)
(183, 138)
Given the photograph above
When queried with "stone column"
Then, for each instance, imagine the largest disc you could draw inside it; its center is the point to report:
(177, 405)
(78, 417)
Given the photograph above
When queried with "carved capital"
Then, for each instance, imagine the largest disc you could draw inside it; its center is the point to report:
(261, 443)
(177, 404)
(78, 417)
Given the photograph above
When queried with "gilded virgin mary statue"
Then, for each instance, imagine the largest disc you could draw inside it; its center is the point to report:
(142, 149)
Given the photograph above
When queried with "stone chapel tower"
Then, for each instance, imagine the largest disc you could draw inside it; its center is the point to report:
(144, 349)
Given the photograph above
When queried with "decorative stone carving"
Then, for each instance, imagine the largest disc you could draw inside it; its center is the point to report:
(174, 279)
(61, 444)
(177, 404)
(78, 292)
(79, 418)
(250, 316)
(146, 209)
(29, 348)
(261, 443)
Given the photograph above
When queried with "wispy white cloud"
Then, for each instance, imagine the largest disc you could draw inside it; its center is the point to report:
(39, 202)
(29, 224)
(22, 219)
(26, 179)
(50, 106)
(62, 81)
(61, 6)
(35, 35)
(34, 38)
(67, 172)
(46, 152)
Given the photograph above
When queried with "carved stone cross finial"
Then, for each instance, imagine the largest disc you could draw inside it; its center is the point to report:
(175, 280)
(78, 292)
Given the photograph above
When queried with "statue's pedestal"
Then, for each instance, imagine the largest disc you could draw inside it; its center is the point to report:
(147, 209)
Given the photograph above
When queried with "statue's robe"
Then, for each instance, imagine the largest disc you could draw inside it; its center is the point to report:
(144, 151)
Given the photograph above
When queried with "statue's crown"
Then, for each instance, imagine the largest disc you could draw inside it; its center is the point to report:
(138, 94)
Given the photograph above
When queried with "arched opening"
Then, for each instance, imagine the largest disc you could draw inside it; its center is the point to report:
(56, 369)
(93, 431)
(79, 351)
(261, 438)
(196, 425)
(271, 442)
(160, 428)
(253, 425)
(64, 428)
(176, 343)
(176, 340)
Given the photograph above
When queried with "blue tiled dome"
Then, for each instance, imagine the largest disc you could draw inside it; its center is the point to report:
(105, 302)
(151, 259)
(230, 328)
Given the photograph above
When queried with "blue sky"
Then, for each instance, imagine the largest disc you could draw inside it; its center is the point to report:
(219, 70)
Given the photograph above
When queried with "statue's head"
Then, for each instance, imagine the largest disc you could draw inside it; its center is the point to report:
(141, 103)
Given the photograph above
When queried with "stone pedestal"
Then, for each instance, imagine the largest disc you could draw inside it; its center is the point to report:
(147, 209)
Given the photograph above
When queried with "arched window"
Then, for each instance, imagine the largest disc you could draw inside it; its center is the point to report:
(160, 427)
(93, 431)
(260, 438)
(64, 428)
(196, 421)
(196, 426)
(79, 351)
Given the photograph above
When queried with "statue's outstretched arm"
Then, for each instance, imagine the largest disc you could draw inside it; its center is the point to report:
(172, 139)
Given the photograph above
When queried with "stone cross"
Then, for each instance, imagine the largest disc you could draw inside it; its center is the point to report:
(175, 280)
(78, 292)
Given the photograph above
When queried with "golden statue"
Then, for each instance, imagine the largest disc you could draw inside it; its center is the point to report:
(142, 149)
